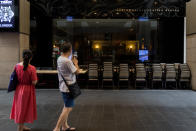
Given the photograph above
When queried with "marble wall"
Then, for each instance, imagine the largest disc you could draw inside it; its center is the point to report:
(191, 57)
(9, 56)
(191, 17)
(191, 39)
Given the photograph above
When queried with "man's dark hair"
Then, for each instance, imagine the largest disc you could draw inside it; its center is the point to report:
(66, 46)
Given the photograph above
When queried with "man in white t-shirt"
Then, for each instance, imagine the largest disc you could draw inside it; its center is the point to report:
(68, 69)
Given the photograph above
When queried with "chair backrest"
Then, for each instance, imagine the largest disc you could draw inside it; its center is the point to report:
(176, 65)
(124, 67)
(107, 63)
(184, 67)
(163, 65)
(156, 68)
(140, 69)
(93, 66)
(107, 68)
(170, 68)
(139, 64)
(169, 64)
(93, 74)
(93, 71)
(170, 75)
(185, 75)
(157, 74)
(124, 74)
(124, 71)
(108, 74)
(155, 64)
(185, 64)
(140, 74)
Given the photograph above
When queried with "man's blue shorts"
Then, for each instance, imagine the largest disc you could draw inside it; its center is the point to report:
(69, 102)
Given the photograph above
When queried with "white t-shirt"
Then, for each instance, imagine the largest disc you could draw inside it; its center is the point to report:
(67, 69)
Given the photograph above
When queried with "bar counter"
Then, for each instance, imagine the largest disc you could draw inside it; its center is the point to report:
(55, 71)
(48, 79)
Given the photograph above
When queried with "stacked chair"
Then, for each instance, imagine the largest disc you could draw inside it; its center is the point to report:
(140, 75)
(170, 75)
(107, 73)
(93, 74)
(123, 74)
(156, 74)
(177, 66)
(185, 75)
(163, 66)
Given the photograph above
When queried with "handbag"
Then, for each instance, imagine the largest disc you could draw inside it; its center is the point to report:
(74, 89)
(13, 81)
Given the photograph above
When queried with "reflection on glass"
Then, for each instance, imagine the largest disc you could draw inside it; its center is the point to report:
(143, 55)
(99, 40)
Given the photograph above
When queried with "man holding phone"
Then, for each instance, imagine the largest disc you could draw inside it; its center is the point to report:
(68, 69)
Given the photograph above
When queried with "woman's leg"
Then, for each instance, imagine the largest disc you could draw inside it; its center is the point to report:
(61, 119)
(20, 127)
(26, 128)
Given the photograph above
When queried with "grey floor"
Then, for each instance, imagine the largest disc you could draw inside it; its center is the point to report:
(125, 110)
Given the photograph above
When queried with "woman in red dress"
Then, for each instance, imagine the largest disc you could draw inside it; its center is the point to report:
(24, 102)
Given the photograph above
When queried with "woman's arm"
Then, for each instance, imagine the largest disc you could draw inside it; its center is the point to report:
(34, 76)
(34, 82)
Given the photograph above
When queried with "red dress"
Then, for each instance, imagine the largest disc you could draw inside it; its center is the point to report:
(24, 102)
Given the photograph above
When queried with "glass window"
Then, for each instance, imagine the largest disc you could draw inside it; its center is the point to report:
(99, 40)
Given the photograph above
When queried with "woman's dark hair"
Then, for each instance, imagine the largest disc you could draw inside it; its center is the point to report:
(66, 46)
(27, 55)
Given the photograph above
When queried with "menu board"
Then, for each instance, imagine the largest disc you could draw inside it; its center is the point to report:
(7, 14)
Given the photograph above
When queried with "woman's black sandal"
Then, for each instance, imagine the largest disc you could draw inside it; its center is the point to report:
(70, 129)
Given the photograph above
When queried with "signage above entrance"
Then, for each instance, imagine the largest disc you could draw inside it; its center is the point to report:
(7, 15)
(113, 8)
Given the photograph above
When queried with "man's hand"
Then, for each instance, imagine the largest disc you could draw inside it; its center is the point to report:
(75, 61)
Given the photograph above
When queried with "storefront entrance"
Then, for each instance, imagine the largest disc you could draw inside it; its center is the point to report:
(110, 33)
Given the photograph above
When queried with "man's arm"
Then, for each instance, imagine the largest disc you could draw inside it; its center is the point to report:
(75, 62)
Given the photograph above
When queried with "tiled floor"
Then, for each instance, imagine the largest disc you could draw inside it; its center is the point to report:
(125, 110)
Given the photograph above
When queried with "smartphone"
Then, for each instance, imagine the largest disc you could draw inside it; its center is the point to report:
(75, 54)
(70, 57)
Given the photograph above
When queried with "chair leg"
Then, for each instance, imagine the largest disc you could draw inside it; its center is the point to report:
(88, 84)
(189, 85)
(165, 84)
(146, 84)
(113, 84)
(102, 84)
(176, 85)
(98, 84)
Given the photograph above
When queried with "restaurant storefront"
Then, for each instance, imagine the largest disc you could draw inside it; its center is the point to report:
(120, 31)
